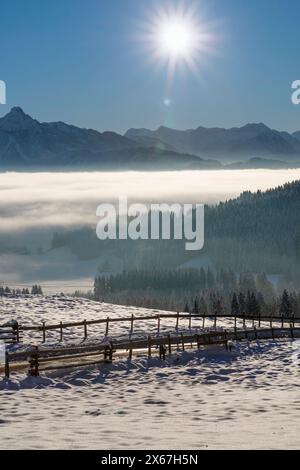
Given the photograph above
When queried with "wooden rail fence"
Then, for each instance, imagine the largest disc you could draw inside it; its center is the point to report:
(41, 359)
(14, 330)
(10, 333)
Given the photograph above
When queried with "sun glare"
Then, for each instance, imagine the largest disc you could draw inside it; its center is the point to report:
(175, 36)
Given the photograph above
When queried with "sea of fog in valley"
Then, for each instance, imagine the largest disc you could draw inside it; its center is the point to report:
(29, 200)
(34, 205)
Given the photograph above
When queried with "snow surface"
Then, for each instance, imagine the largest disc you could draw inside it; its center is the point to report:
(206, 399)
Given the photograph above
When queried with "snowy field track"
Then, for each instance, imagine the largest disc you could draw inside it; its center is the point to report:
(202, 399)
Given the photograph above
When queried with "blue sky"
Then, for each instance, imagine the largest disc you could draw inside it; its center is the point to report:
(77, 61)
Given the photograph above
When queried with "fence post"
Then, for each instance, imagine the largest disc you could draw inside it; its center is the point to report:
(106, 352)
(61, 332)
(198, 341)
(131, 325)
(271, 321)
(282, 321)
(130, 351)
(169, 344)
(107, 326)
(293, 318)
(44, 332)
(6, 365)
(215, 321)
(158, 325)
(16, 331)
(162, 352)
(259, 319)
(85, 329)
(190, 321)
(34, 363)
(292, 331)
(149, 346)
(244, 320)
(111, 350)
(177, 322)
(235, 322)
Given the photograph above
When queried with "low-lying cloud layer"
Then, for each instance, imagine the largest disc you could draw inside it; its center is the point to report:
(41, 200)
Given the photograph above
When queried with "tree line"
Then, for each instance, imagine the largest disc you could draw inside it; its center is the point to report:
(198, 291)
(187, 280)
(35, 290)
(250, 305)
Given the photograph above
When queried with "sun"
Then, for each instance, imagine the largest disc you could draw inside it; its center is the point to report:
(176, 36)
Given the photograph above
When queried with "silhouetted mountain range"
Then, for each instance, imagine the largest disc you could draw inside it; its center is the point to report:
(26, 143)
(226, 145)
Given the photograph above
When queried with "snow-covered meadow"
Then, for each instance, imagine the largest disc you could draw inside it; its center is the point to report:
(202, 399)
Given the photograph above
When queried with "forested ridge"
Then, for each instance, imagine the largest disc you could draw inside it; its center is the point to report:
(264, 220)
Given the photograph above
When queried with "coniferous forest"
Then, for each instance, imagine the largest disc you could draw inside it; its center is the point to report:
(198, 292)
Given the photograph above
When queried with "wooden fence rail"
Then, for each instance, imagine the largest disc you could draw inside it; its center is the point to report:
(17, 328)
(10, 333)
(41, 359)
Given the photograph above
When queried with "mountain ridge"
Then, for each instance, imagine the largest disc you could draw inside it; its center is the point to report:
(228, 145)
(26, 143)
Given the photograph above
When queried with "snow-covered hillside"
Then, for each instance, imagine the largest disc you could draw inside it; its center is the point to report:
(53, 309)
(200, 400)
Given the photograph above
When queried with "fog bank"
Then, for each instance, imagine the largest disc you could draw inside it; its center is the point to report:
(32, 200)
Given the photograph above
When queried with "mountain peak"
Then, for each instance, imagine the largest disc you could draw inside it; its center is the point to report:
(258, 126)
(17, 110)
(16, 120)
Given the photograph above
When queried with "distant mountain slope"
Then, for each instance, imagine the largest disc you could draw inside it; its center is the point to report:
(252, 140)
(296, 135)
(26, 143)
(263, 163)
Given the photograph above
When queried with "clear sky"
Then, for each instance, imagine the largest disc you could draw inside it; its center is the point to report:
(81, 61)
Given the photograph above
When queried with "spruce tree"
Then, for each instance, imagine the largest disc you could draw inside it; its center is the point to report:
(285, 307)
(242, 303)
(196, 306)
(235, 308)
